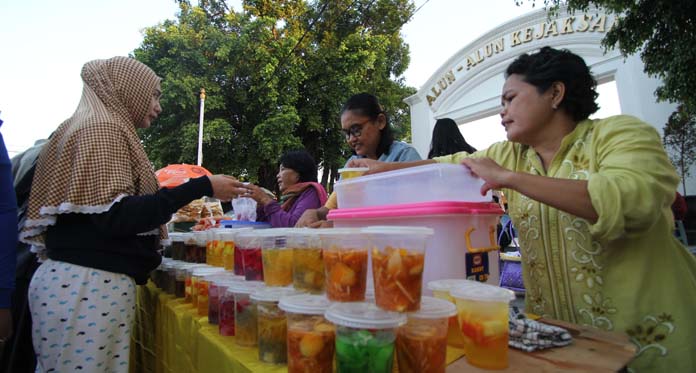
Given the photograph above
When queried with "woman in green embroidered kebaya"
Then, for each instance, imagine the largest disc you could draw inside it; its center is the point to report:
(591, 202)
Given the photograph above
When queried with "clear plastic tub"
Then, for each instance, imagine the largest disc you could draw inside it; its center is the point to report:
(365, 336)
(204, 285)
(307, 260)
(421, 344)
(436, 179)
(398, 261)
(345, 264)
(245, 326)
(483, 314)
(277, 259)
(311, 338)
(271, 324)
(441, 289)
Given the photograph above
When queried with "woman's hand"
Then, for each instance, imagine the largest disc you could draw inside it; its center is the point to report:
(373, 165)
(257, 194)
(495, 177)
(309, 217)
(226, 187)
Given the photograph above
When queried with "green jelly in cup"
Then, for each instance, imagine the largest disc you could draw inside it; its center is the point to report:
(365, 337)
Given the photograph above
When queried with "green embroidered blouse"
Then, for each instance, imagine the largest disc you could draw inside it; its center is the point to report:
(627, 272)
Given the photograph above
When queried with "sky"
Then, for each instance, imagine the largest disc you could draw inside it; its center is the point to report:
(46, 42)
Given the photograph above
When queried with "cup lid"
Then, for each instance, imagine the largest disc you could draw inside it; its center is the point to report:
(361, 315)
(207, 271)
(227, 280)
(483, 293)
(176, 236)
(271, 294)
(399, 230)
(434, 308)
(451, 283)
(306, 304)
(245, 287)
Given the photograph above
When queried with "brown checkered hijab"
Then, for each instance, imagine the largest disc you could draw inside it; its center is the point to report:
(95, 158)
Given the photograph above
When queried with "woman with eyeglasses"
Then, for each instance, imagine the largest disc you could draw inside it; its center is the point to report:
(367, 131)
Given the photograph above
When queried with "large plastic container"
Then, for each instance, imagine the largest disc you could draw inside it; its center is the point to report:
(464, 244)
(429, 183)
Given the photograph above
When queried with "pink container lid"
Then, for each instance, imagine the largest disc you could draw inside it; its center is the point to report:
(418, 209)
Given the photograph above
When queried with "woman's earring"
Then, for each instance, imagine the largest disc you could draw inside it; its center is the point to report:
(554, 107)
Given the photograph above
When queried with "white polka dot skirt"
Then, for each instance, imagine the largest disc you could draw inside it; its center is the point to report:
(81, 318)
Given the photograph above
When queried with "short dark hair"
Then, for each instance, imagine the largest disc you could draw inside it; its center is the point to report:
(368, 105)
(447, 139)
(547, 66)
(301, 162)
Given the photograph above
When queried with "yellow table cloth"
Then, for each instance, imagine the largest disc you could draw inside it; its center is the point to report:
(169, 337)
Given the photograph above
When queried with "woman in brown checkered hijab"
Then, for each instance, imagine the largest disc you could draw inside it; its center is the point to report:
(95, 213)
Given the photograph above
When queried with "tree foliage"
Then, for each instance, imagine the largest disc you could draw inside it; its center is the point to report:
(276, 74)
(680, 138)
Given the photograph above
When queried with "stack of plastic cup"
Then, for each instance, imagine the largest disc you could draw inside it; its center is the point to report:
(311, 338)
(421, 344)
(365, 336)
(398, 261)
(345, 263)
(271, 324)
(483, 314)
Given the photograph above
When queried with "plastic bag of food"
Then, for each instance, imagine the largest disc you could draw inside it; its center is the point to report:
(244, 208)
(190, 212)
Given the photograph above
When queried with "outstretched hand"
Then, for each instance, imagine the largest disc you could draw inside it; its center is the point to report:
(493, 175)
(226, 187)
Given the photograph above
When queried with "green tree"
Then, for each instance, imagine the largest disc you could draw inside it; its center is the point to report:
(276, 74)
(680, 138)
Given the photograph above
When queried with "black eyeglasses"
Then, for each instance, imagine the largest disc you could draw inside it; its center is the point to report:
(355, 129)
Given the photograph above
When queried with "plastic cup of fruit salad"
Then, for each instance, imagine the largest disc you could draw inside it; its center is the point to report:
(421, 344)
(398, 260)
(441, 289)
(345, 263)
(311, 338)
(483, 317)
